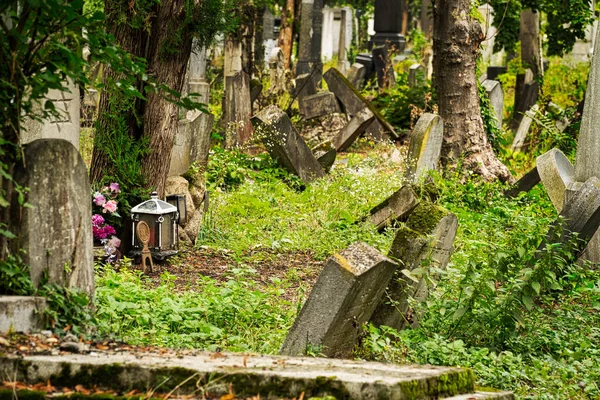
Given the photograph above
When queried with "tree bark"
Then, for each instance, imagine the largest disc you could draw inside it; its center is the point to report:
(286, 32)
(456, 40)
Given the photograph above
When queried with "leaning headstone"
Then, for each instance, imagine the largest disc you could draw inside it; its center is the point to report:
(356, 75)
(237, 109)
(525, 184)
(344, 297)
(520, 139)
(383, 67)
(496, 96)
(277, 81)
(424, 243)
(557, 174)
(285, 144)
(425, 146)
(56, 232)
(353, 129)
(396, 207)
(305, 86)
(416, 75)
(325, 154)
(319, 104)
(352, 101)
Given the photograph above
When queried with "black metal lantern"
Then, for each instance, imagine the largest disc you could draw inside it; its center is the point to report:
(178, 200)
(161, 218)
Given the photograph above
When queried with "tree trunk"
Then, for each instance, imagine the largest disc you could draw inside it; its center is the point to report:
(456, 40)
(286, 31)
(168, 57)
(529, 34)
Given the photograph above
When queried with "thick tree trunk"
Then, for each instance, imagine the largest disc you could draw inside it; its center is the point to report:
(168, 56)
(286, 33)
(529, 35)
(456, 40)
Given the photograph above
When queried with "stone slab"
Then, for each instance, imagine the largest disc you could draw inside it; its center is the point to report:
(305, 86)
(22, 313)
(344, 297)
(496, 96)
(425, 242)
(352, 101)
(396, 207)
(357, 74)
(353, 129)
(248, 375)
(237, 109)
(325, 154)
(525, 184)
(285, 144)
(425, 146)
(519, 142)
(318, 105)
(557, 174)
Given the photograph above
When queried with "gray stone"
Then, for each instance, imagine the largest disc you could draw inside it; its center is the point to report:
(352, 101)
(344, 297)
(237, 109)
(22, 313)
(65, 125)
(246, 375)
(395, 208)
(527, 99)
(73, 347)
(325, 154)
(416, 75)
(309, 45)
(305, 86)
(520, 141)
(557, 174)
(496, 96)
(277, 73)
(588, 143)
(180, 185)
(353, 129)
(388, 24)
(356, 75)
(285, 144)
(383, 67)
(56, 232)
(425, 146)
(345, 18)
(318, 105)
(424, 243)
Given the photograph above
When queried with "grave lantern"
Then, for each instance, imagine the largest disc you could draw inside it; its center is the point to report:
(161, 218)
(178, 200)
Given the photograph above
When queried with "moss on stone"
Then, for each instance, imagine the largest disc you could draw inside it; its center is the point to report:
(425, 217)
(10, 394)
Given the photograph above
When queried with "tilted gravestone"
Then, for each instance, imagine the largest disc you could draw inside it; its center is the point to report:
(325, 154)
(318, 105)
(357, 74)
(557, 174)
(344, 297)
(305, 86)
(496, 96)
(520, 141)
(525, 184)
(425, 146)
(425, 242)
(56, 232)
(352, 101)
(353, 129)
(396, 207)
(285, 144)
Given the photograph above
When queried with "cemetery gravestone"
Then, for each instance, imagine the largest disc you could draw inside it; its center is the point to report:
(238, 109)
(305, 86)
(309, 47)
(388, 24)
(557, 174)
(285, 144)
(493, 72)
(356, 75)
(425, 242)
(344, 297)
(416, 75)
(353, 129)
(396, 207)
(496, 96)
(56, 232)
(277, 74)
(525, 184)
(425, 146)
(520, 139)
(325, 154)
(345, 18)
(319, 104)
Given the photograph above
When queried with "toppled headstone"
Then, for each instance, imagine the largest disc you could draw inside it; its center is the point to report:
(416, 75)
(525, 184)
(56, 232)
(396, 207)
(557, 174)
(520, 139)
(325, 154)
(305, 86)
(353, 129)
(352, 101)
(425, 146)
(356, 75)
(496, 96)
(319, 104)
(383, 67)
(285, 144)
(425, 242)
(344, 297)
(237, 109)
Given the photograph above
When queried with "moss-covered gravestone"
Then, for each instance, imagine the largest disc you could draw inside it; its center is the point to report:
(344, 297)
(353, 129)
(399, 205)
(425, 146)
(56, 231)
(425, 242)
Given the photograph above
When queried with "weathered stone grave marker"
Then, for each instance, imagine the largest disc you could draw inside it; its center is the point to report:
(344, 297)
(285, 144)
(496, 96)
(353, 129)
(56, 233)
(356, 75)
(277, 75)
(525, 184)
(519, 142)
(318, 105)
(325, 154)
(416, 75)
(396, 207)
(305, 86)
(557, 174)
(309, 46)
(425, 146)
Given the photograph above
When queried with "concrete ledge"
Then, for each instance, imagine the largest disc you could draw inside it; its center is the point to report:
(269, 376)
(21, 313)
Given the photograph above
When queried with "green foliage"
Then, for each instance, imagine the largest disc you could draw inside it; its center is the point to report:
(565, 83)
(67, 308)
(488, 114)
(14, 277)
(236, 315)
